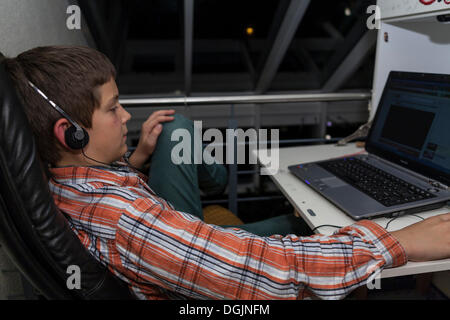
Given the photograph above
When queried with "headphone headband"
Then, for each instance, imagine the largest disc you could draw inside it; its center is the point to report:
(75, 139)
(55, 106)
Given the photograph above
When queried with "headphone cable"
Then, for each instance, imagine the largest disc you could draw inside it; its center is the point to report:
(113, 165)
(104, 163)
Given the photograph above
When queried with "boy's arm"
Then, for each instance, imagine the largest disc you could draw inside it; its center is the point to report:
(426, 240)
(180, 253)
(150, 131)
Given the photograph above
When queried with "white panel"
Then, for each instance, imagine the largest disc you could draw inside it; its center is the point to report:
(419, 46)
(399, 8)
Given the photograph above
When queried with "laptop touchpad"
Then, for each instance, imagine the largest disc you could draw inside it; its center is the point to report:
(333, 182)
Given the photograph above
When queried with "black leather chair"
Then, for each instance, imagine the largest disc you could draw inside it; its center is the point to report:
(33, 232)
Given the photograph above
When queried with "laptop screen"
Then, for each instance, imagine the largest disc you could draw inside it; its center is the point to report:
(412, 123)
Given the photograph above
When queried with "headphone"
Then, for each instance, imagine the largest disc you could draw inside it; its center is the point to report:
(75, 136)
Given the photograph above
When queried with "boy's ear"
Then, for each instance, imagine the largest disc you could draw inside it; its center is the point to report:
(59, 130)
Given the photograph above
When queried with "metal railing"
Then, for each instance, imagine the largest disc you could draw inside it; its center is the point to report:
(131, 100)
(134, 100)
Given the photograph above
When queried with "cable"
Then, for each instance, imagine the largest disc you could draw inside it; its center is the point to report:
(104, 163)
(387, 225)
(326, 225)
(389, 222)
(412, 214)
(416, 215)
(114, 165)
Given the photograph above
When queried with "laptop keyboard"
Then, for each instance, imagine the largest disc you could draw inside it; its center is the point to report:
(376, 183)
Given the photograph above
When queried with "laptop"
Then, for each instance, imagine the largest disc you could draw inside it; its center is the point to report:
(407, 166)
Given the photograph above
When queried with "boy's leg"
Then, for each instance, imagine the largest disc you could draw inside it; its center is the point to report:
(176, 183)
(180, 183)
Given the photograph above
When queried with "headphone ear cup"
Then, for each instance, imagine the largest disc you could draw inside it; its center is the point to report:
(76, 139)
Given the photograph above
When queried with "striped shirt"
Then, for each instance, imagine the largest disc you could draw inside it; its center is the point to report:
(163, 253)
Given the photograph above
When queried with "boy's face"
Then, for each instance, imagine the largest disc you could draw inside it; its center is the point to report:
(107, 137)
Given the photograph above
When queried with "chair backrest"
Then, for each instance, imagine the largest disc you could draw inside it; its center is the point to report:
(34, 233)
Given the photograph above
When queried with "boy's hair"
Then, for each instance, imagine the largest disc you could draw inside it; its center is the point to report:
(69, 76)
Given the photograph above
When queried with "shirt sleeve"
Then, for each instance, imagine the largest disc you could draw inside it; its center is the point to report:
(180, 253)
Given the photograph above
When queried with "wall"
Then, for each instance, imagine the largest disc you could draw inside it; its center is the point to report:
(416, 43)
(25, 24)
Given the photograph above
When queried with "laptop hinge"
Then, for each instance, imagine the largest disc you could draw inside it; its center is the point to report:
(431, 182)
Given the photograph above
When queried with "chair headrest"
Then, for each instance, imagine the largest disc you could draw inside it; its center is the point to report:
(35, 234)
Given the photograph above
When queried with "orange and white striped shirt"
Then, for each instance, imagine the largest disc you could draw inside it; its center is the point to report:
(163, 253)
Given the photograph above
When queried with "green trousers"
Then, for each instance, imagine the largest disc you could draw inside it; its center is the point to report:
(180, 184)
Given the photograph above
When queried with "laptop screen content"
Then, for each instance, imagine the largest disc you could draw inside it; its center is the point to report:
(412, 124)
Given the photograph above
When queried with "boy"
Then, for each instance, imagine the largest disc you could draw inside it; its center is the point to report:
(162, 252)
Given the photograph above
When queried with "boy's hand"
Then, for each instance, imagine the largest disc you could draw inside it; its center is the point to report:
(150, 131)
(426, 240)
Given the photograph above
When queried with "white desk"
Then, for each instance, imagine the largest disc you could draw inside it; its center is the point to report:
(303, 198)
